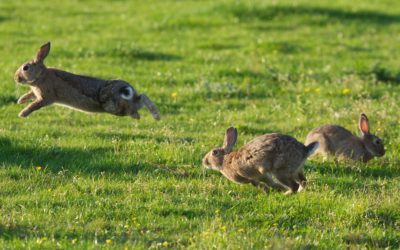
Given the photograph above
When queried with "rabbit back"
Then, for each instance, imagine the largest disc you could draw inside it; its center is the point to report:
(270, 153)
(338, 141)
(79, 92)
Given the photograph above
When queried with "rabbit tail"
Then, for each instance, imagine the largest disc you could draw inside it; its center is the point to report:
(310, 148)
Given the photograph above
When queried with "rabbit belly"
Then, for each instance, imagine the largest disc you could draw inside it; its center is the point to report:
(81, 109)
(74, 99)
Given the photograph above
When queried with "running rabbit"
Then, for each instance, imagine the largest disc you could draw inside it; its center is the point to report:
(257, 161)
(50, 85)
(338, 141)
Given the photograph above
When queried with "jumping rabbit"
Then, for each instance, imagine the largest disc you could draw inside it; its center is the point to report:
(341, 143)
(50, 85)
(257, 161)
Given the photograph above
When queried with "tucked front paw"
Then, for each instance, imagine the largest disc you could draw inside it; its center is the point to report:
(265, 189)
(289, 192)
(156, 116)
(23, 114)
(135, 115)
(21, 100)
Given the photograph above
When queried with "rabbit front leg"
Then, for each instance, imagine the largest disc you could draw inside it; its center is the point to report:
(259, 185)
(150, 106)
(26, 97)
(32, 107)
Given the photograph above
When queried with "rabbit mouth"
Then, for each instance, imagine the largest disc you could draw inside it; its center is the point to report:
(381, 153)
(206, 163)
(19, 80)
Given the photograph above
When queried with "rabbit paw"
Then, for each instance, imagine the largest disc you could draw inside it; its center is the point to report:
(23, 114)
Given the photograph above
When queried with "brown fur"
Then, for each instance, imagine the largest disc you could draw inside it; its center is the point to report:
(54, 86)
(257, 161)
(341, 143)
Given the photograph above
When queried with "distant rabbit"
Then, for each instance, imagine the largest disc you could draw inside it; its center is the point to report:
(338, 141)
(50, 85)
(257, 161)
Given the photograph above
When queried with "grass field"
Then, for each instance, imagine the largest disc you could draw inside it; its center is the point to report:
(69, 179)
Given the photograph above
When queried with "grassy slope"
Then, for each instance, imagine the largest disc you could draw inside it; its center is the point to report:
(259, 66)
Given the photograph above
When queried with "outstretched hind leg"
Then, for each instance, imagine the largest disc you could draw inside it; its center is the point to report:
(266, 178)
(144, 100)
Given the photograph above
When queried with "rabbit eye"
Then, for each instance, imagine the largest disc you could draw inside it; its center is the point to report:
(215, 152)
(25, 68)
(377, 142)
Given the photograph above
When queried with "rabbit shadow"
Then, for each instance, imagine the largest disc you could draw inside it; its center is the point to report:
(136, 137)
(3, 19)
(92, 161)
(25, 232)
(268, 13)
(362, 239)
(346, 179)
(383, 74)
(15, 231)
(152, 56)
(341, 169)
(219, 46)
(7, 99)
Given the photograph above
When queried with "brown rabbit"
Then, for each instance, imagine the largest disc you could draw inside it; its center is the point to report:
(50, 85)
(257, 161)
(338, 141)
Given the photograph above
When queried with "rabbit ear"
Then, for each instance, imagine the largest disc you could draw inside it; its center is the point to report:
(43, 52)
(364, 126)
(230, 139)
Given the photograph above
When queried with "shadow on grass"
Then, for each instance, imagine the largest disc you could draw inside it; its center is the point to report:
(267, 13)
(174, 211)
(134, 137)
(150, 56)
(374, 241)
(273, 27)
(14, 231)
(7, 99)
(94, 161)
(384, 75)
(386, 216)
(284, 47)
(242, 74)
(247, 130)
(192, 23)
(219, 46)
(125, 53)
(35, 232)
(3, 19)
(361, 171)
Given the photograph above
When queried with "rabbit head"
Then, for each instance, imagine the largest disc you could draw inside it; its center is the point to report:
(215, 158)
(373, 143)
(31, 70)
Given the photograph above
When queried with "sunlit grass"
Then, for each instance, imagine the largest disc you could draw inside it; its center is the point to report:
(69, 179)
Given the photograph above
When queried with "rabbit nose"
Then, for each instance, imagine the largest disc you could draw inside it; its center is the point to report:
(18, 78)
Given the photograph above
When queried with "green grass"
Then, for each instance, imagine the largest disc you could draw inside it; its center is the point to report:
(263, 66)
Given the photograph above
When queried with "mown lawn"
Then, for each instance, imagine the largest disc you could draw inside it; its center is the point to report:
(69, 179)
